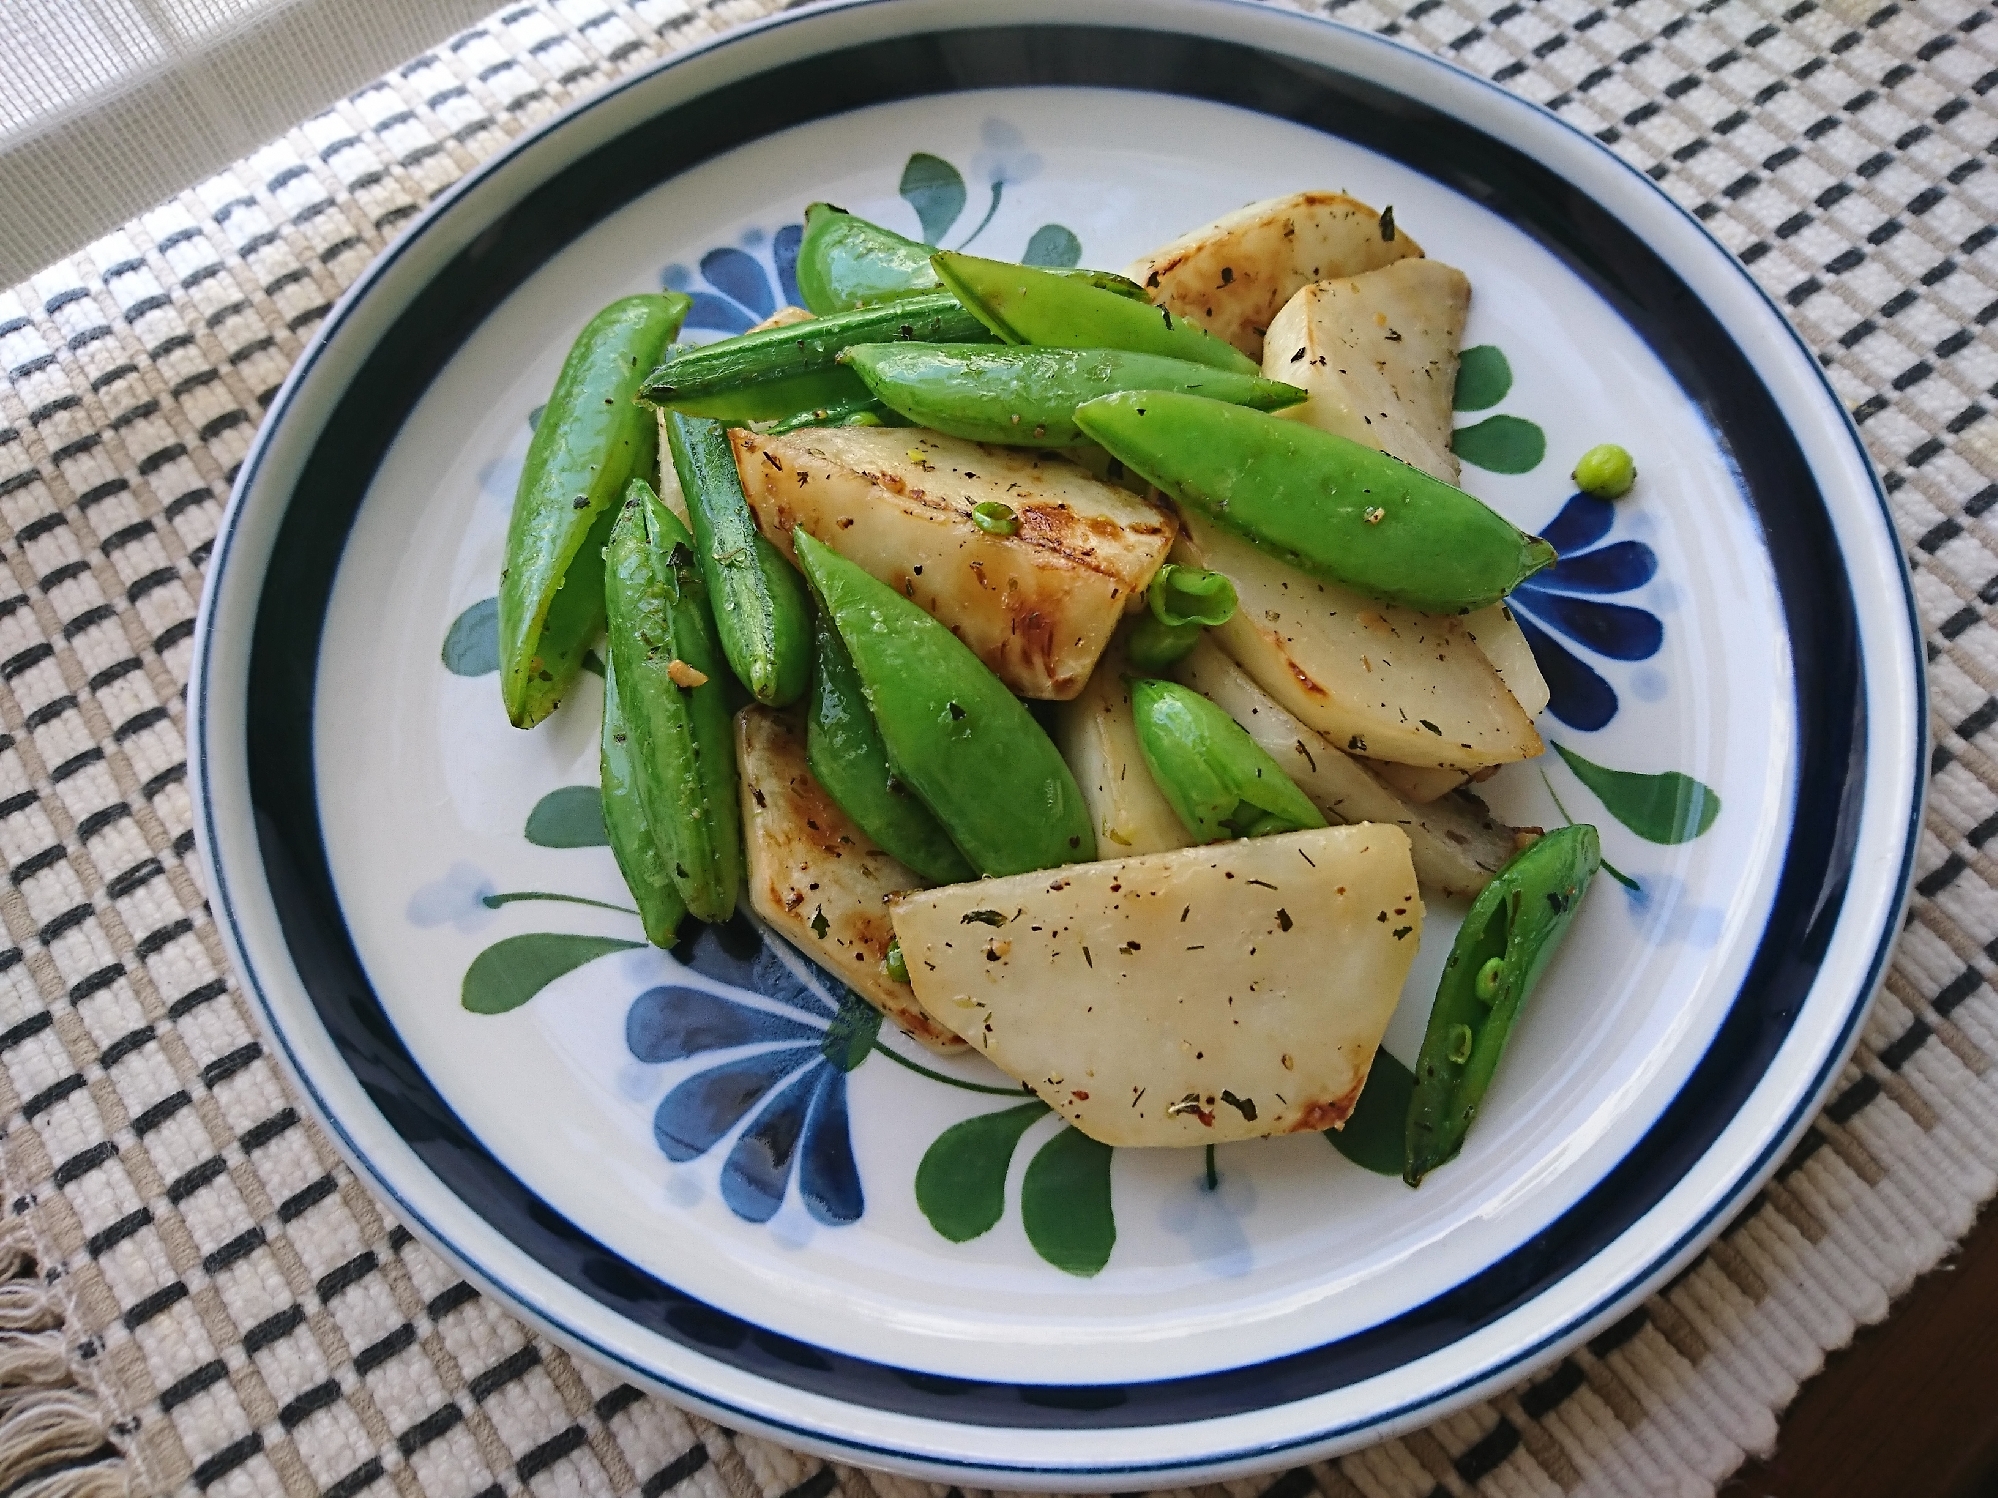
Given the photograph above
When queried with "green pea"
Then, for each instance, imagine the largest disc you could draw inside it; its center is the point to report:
(895, 965)
(1022, 304)
(1026, 397)
(639, 856)
(1180, 605)
(995, 518)
(1503, 947)
(590, 442)
(1325, 504)
(1606, 471)
(966, 746)
(1221, 782)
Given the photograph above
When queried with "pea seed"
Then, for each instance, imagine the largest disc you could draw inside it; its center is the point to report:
(1489, 977)
(894, 965)
(1460, 1044)
(1606, 471)
(994, 518)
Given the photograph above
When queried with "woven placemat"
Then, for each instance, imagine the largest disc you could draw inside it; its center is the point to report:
(199, 1295)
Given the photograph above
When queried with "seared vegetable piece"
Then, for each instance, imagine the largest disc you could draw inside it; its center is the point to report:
(1034, 590)
(1217, 778)
(1099, 739)
(1192, 997)
(590, 442)
(632, 844)
(851, 762)
(1024, 305)
(1499, 637)
(1501, 950)
(669, 682)
(954, 734)
(816, 877)
(782, 371)
(1378, 353)
(846, 262)
(1325, 504)
(1456, 843)
(1375, 678)
(1232, 275)
(1181, 605)
(761, 609)
(1026, 397)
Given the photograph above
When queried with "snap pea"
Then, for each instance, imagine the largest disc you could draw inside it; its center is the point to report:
(846, 262)
(848, 758)
(1323, 503)
(955, 736)
(1026, 397)
(675, 703)
(761, 609)
(859, 413)
(782, 371)
(1023, 304)
(1218, 779)
(1501, 950)
(591, 439)
(1180, 605)
(637, 851)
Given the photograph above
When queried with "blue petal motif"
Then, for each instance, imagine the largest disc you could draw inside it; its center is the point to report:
(1615, 568)
(718, 313)
(827, 1177)
(784, 251)
(1611, 629)
(758, 1170)
(671, 1024)
(1576, 695)
(740, 276)
(694, 1115)
(1583, 521)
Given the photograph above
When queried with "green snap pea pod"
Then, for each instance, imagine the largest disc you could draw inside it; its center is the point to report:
(1218, 779)
(1323, 503)
(591, 440)
(1023, 304)
(761, 609)
(675, 703)
(637, 851)
(1502, 948)
(850, 761)
(1180, 605)
(859, 413)
(955, 736)
(1026, 397)
(781, 371)
(846, 262)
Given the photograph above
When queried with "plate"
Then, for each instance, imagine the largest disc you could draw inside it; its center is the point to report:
(715, 1170)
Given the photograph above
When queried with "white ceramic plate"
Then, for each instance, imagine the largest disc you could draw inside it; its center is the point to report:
(1738, 632)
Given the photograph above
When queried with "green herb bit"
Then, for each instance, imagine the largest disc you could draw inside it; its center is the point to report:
(995, 518)
(894, 965)
(1606, 471)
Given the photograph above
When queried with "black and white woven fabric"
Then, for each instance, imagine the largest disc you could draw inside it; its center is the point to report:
(201, 1297)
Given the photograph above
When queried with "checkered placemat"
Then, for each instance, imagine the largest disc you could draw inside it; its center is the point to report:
(199, 1295)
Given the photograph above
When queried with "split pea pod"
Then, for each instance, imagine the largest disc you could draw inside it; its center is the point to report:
(761, 609)
(639, 857)
(1501, 950)
(1181, 604)
(954, 734)
(1327, 505)
(848, 758)
(1218, 779)
(782, 371)
(857, 413)
(590, 441)
(1023, 304)
(1026, 397)
(846, 262)
(675, 706)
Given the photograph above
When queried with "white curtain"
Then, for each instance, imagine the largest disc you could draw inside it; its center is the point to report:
(107, 107)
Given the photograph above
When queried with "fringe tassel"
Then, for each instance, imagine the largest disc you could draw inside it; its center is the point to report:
(53, 1439)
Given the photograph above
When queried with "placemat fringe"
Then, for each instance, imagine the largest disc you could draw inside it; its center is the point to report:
(54, 1441)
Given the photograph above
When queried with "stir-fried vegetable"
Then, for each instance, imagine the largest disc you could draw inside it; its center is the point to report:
(1217, 778)
(639, 856)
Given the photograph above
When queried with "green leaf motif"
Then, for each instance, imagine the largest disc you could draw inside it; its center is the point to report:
(572, 817)
(851, 1035)
(1375, 1137)
(510, 972)
(1053, 246)
(1483, 378)
(1501, 444)
(1065, 1203)
(471, 645)
(961, 1184)
(1668, 808)
(932, 187)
